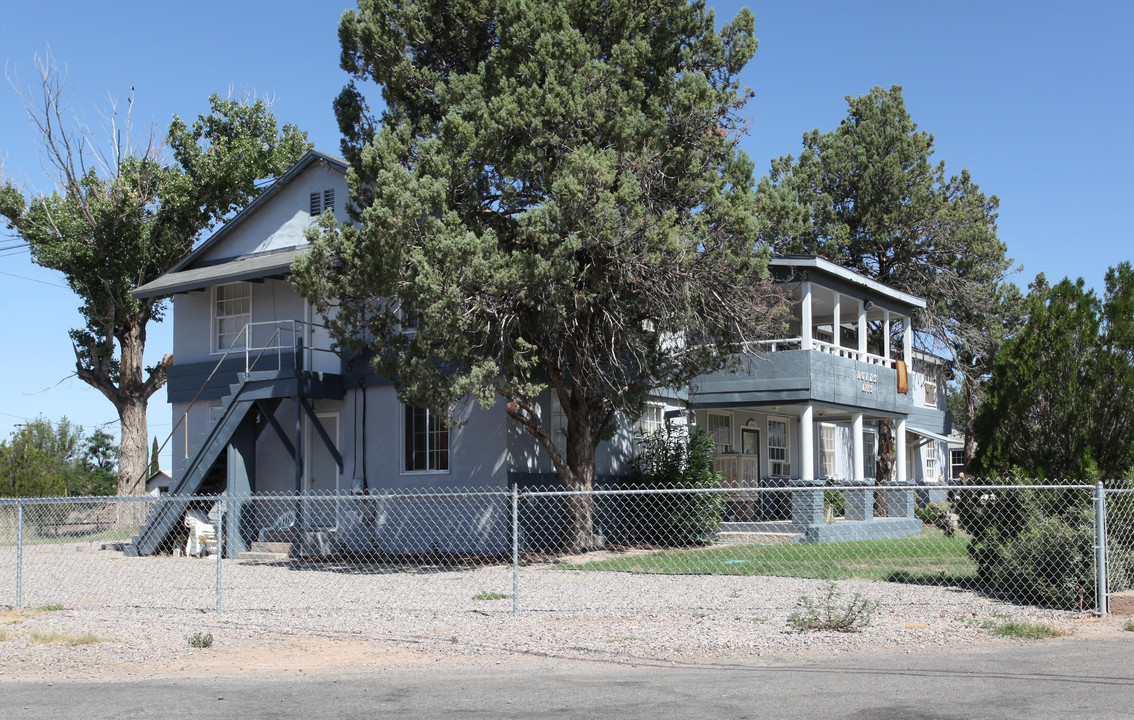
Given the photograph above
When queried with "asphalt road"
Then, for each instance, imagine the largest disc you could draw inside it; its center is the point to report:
(1052, 679)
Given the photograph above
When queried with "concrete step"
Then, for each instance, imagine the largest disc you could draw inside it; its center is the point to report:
(279, 536)
(271, 547)
(262, 557)
(756, 538)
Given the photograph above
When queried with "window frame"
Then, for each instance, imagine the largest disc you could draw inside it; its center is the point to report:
(214, 318)
(646, 426)
(410, 451)
(786, 449)
(727, 448)
(929, 390)
(931, 461)
(828, 456)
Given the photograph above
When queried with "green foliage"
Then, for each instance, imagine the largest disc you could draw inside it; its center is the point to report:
(43, 458)
(867, 196)
(672, 462)
(486, 595)
(1061, 400)
(828, 612)
(111, 226)
(155, 464)
(200, 640)
(1028, 630)
(938, 514)
(1037, 546)
(555, 191)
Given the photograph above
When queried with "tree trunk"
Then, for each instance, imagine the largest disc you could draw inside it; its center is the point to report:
(579, 510)
(132, 460)
(970, 416)
(886, 458)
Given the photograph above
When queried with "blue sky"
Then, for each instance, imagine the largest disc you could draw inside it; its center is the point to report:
(1035, 99)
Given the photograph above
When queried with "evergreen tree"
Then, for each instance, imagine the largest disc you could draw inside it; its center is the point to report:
(555, 196)
(867, 196)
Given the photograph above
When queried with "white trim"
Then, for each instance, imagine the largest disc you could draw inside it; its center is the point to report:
(728, 415)
(833, 450)
(402, 446)
(214, 331)
(786, 448)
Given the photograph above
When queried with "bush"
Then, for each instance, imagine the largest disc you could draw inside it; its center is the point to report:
(673, 462)
(940, 515)
(1037, 546)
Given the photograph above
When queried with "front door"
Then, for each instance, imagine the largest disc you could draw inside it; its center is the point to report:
(322, 477)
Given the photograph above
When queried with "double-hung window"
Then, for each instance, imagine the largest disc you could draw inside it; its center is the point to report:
(720, 429)
(652, 420)
(827, 439)
(931, 464)
(778, 448)
(427, 441)
(232, 310)
(869, 454)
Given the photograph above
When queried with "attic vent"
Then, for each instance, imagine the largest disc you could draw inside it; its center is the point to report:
(322, 202)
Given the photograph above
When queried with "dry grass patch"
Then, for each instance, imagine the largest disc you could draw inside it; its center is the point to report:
(87, 638)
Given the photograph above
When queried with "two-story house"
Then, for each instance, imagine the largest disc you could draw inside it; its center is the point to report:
(264, 404)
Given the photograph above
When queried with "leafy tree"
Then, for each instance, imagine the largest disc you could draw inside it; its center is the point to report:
(554, 194)
(1061, 400)
(868, 197)
(46, 458)
(121, 216)
(674, 461)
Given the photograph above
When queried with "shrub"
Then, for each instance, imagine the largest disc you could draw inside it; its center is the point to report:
(1037, 546)
(827, 613)
(200, 640)
(666, 461)
(938, 514)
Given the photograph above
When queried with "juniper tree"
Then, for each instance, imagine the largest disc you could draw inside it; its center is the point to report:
(555, 191)
(868, 197)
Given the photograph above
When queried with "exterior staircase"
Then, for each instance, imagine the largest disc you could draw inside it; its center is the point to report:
(201, 476)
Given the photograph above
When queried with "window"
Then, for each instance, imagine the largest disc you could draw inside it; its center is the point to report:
(427, 441)
(322, 202)
(957, 460)
(652, 420)
(720, 429)
(869, 454)
(827, 451)
(778, 448)
(930, 393)
(232, 310)
(930, 465)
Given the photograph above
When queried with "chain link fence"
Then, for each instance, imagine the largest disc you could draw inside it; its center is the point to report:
(1051, 545)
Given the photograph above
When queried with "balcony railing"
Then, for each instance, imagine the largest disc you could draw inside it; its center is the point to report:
(796, 343)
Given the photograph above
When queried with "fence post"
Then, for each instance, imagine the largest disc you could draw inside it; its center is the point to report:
(19, 555)
(515, 550)
(1100, 549)
(222, 520)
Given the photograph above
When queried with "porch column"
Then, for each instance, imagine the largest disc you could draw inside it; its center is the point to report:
(836, 327)
(861, 330)
(856, 437)
(807, 444)
(805, 321)
(900, 450)
(907, 341)
(886, 335)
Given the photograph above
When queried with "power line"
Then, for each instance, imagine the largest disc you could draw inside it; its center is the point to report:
(41, 282)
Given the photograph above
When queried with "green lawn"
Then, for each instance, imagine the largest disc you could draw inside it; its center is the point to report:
(929, 557)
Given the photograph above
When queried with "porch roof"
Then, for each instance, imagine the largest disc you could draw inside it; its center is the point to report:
(929, 434)
(849, 277)
(251, 267)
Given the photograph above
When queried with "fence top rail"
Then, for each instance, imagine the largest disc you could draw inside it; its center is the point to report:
(1119, 491)
(528, 493)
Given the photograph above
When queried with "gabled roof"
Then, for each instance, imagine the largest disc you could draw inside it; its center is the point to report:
(184, 276)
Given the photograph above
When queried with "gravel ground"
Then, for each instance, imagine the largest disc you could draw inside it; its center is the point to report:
(337, 617)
